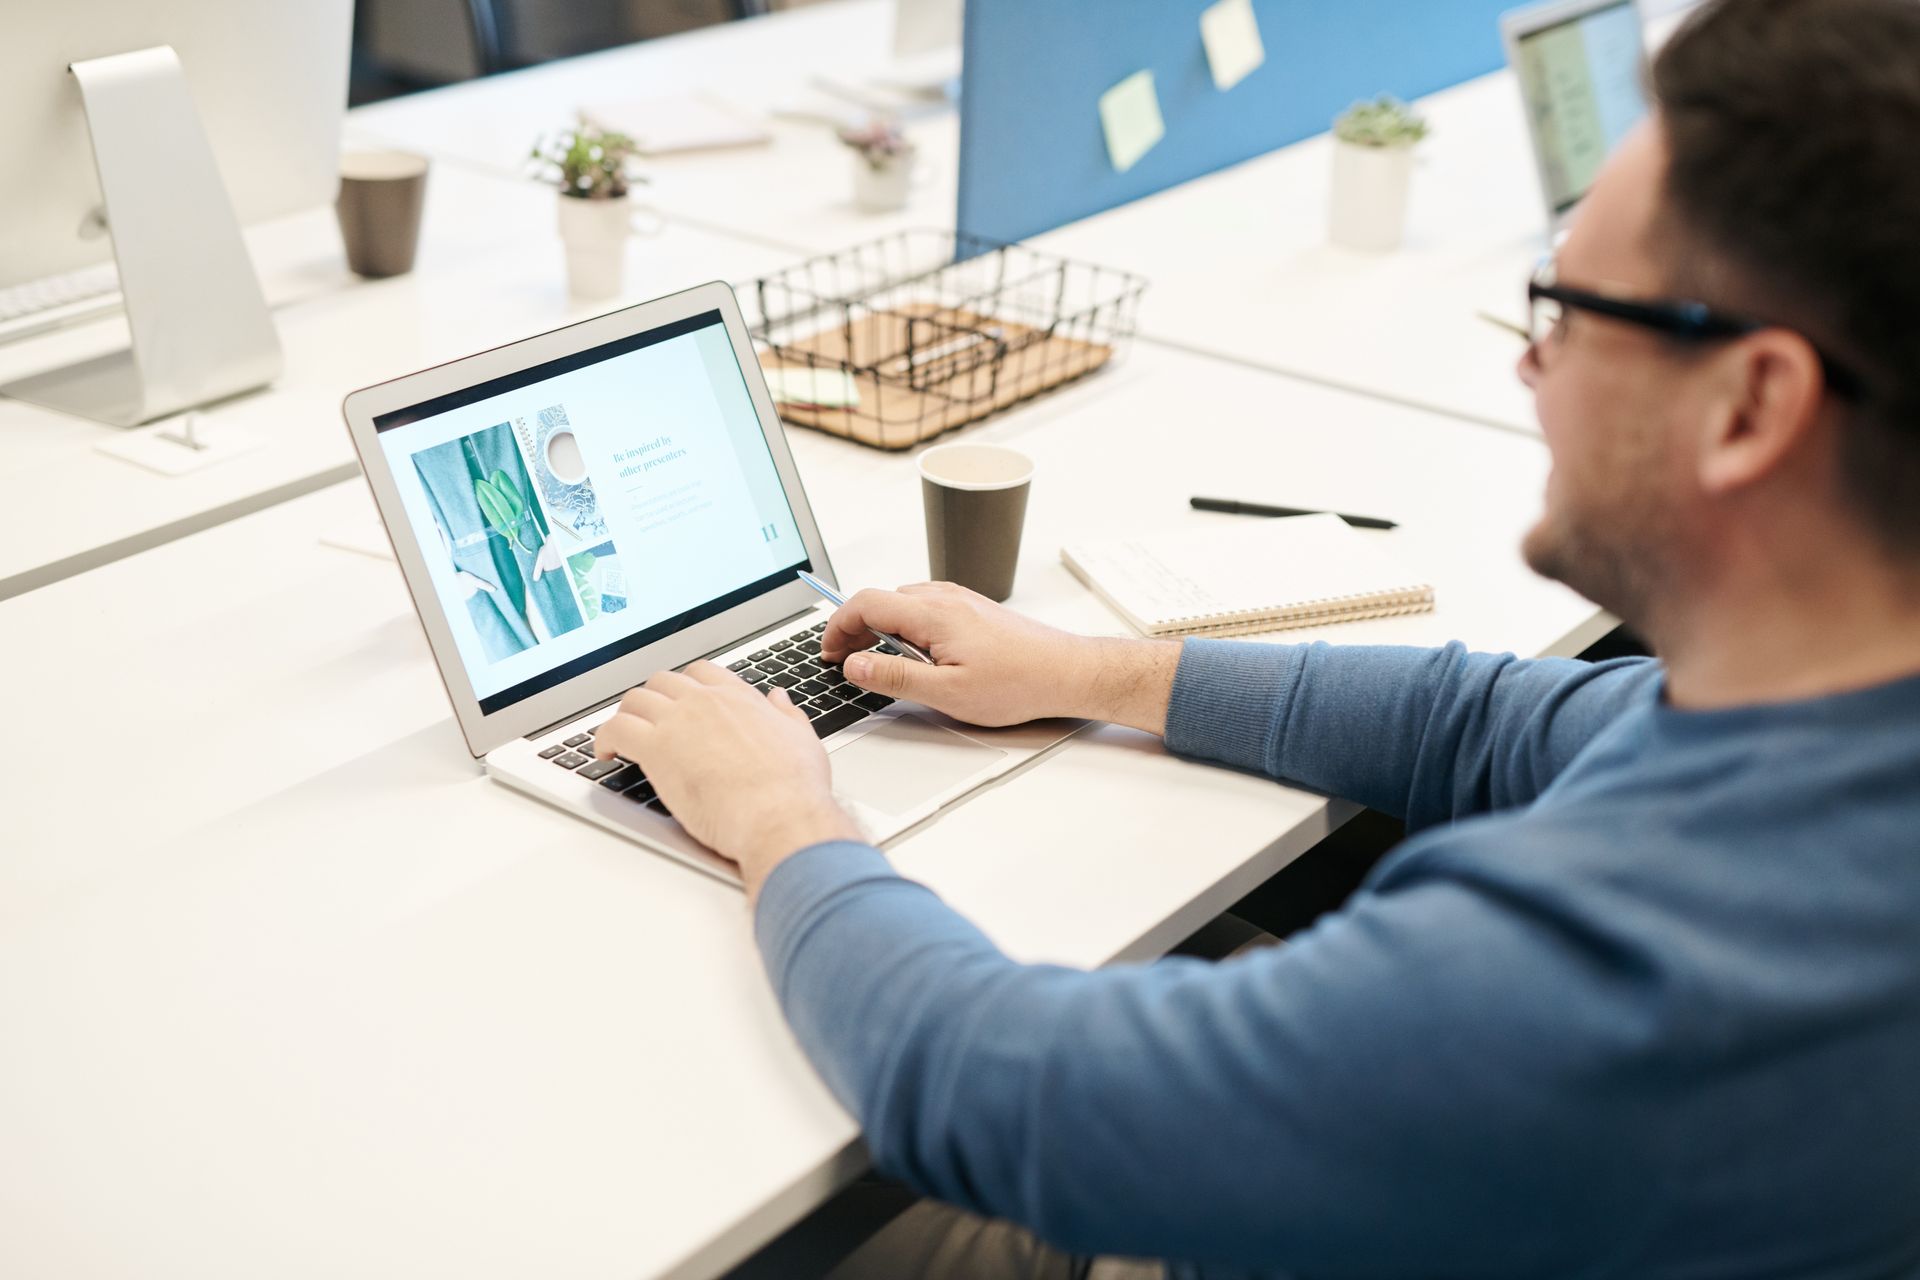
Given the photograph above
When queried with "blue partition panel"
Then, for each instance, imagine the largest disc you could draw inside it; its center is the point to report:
(1032, 153)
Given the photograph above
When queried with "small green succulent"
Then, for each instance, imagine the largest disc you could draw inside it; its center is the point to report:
(1384, 122)
(590, 163)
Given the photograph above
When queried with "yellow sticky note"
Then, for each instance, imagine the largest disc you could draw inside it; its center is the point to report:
(1130, 113)
(1232, 36)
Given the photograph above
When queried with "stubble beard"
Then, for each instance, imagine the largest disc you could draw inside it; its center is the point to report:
(1614, 560)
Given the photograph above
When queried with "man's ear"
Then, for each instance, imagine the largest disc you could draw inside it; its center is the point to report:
(1767, 395)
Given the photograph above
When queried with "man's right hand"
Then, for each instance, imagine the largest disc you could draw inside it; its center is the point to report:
(996, 667)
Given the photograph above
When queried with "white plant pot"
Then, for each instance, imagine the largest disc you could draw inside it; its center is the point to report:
(886, 188)
(1370, 186)
(595, 234)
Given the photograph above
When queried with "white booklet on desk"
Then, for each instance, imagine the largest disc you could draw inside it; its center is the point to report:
(681, 122)
(1251, 576)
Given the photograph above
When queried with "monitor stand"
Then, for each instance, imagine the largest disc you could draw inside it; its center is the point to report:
(200, 326)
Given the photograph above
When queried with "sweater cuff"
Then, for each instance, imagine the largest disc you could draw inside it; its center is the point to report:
(798, 888)
(1230, 699)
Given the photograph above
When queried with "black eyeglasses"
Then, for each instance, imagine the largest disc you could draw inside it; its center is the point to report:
(1548, 304)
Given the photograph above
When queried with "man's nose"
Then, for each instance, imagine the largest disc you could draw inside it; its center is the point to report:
(1528, 369)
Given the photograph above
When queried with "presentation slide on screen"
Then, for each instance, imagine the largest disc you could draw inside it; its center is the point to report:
(562, 516)
(1582, 80)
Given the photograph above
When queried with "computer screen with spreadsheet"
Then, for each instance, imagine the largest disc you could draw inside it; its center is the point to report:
(1581, 80)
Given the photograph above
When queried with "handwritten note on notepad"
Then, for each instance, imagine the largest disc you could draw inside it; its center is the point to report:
(1247, 577)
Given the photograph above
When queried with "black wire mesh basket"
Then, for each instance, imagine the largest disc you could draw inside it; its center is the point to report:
(901, 339)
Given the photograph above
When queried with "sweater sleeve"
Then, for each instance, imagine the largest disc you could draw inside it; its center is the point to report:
(1374, 1098)
(1428, 735)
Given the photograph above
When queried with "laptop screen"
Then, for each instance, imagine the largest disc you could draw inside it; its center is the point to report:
(578, 510)
(1581, 79)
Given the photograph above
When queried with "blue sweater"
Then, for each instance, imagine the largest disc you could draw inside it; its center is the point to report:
(1642, 997)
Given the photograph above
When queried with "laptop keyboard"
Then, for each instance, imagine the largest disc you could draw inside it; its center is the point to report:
(792, 663)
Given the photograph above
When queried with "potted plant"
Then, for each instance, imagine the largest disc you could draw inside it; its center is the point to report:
(593, 170)
(883, 165)
(1372, 170)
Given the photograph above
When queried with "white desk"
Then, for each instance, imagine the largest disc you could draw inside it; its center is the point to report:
(294, 991)
(1238, 261)
(490, 270)
(795, 193)
(1241, 265)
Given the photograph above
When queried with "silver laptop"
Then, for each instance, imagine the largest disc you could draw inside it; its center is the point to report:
(578, 511)
(1580, 65)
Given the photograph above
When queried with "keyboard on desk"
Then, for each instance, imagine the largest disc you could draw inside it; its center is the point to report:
(793, 664)
(41, 306)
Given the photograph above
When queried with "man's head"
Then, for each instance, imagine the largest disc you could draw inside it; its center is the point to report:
(1775, 182)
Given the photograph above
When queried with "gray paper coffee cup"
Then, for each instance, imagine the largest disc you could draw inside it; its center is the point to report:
(976, 501)
(381, 196)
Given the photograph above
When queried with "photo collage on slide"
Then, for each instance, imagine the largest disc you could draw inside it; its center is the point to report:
(521, 526)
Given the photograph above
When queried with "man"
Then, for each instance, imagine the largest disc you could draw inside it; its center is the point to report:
(1642, 996)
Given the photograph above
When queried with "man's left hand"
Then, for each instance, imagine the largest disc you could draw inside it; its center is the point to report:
(742, 772)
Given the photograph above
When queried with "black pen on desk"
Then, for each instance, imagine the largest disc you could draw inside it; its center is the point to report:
(1230, 507)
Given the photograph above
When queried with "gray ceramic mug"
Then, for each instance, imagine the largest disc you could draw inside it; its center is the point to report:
(381, 196)
(976, 501)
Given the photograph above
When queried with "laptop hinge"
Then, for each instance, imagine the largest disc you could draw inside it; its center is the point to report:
(607, 702)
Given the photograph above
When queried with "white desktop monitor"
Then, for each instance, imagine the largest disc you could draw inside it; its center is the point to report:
(268, 77)
(1580, 64)
(154, 128)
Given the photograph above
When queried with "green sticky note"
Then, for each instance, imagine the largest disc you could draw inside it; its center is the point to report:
(1231, 35)
(1130, 113)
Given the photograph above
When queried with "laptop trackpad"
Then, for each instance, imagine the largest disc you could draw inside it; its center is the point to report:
(906, 762)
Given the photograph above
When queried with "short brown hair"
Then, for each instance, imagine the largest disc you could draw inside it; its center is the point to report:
(1792, 128)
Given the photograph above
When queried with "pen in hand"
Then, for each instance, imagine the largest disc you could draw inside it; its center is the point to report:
(1233, 508)
(895, 642)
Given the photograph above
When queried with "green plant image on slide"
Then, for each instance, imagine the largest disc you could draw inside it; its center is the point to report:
(519, 519)
(516, 586)
(502, 507)
(571, 505)
(581, 567)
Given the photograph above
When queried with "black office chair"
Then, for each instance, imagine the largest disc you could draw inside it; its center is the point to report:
(400, 45)
(483, 20)
(508, 26)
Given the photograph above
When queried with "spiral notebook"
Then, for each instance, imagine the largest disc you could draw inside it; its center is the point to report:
(1247, 577)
